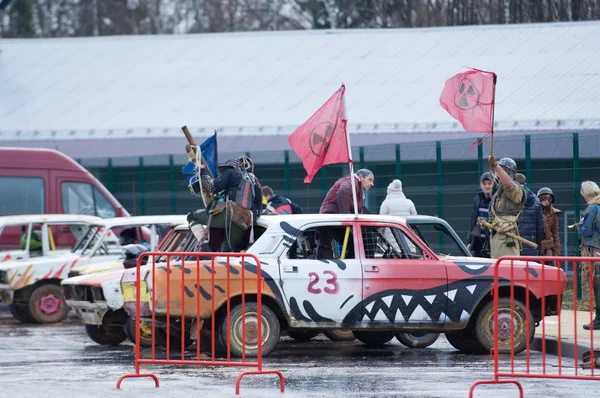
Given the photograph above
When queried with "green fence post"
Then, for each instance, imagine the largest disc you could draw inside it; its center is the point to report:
(324, 187)
(398, 163)
(480, 159)
(361, 156)
(528, 159)
(576, 199)
(286, 172)
(440, 191)
(109, 176)
(172, 184)
(141, 188)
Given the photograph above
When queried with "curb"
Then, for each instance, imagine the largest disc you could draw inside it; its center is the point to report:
(568, 347)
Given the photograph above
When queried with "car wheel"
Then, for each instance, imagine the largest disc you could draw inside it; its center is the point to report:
(417, 340)
(47, 304)
(303, 335)
(106, 335)
(465, 341)
(174, 338)
(21, 313)
(373, 339)
(340, 334)
(484, 326)
(270, 330)
(145, 332)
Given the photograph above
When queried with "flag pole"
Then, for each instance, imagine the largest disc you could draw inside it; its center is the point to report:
(493, 109)
(355, 201)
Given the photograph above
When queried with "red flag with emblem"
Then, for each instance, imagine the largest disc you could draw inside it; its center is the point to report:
(322, 139)
(469, 98)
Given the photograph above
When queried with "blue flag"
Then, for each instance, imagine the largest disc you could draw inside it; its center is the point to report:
(209, 152)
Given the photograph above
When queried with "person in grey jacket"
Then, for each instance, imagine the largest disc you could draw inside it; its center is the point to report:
(396, 203)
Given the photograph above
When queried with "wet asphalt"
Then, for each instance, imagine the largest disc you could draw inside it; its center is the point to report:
(61, 361)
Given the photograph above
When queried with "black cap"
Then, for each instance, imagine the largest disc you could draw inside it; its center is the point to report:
(486, 176)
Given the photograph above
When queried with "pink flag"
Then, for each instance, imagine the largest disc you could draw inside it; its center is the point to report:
(469, 98)
(322, 139)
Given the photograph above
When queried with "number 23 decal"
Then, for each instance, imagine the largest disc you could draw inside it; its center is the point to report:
(332, 286)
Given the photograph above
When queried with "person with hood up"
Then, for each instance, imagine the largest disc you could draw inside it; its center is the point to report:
(531, 223)
(589, 231)
(396, 203)
(551, 243)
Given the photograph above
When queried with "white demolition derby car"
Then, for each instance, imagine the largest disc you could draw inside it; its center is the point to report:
(375, 275)
(32, 286)
(97, 299)
(35, 253)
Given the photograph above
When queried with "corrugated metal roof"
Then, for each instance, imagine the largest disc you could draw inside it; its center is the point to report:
(268, 83)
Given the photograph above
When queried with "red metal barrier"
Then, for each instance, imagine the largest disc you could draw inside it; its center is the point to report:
(186, 290)
(515, 365)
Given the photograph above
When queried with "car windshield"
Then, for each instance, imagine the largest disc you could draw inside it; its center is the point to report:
(439, 239)
(87, 239)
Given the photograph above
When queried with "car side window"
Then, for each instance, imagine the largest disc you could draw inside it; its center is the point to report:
(381, 242)
(103, 207)
(22, 195)
(323, 243)
(388, 242)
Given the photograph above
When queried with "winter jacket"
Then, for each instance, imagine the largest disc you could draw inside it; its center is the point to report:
(281, 205)
(551, 243)
(531, 223)
(396, 204)
(481, 207)
(589, 230)
(339, 198)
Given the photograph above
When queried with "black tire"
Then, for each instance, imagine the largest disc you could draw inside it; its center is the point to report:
(145, 332)
(270, 330)
(339, 334)
(303, 335)
(417, 340)
(373, 339)
(175, 337)
(21, 313)
(110, 335)
(465, 341)
(47, 304)
(484, 326)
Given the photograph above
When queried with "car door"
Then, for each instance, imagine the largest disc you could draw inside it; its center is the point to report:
(321, 277)
(403, 281)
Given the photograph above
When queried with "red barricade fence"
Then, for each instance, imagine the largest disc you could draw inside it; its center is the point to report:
(179, 298)
(508, 322)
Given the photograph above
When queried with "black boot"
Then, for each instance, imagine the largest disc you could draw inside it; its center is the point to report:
(594, 325)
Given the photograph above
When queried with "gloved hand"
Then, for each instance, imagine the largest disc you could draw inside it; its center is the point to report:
(492, 160)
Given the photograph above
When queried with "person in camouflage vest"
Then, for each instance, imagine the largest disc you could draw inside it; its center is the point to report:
(508, 199)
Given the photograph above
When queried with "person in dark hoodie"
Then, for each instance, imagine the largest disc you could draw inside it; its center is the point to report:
(531, 223)
(277, 204)
(478, 239)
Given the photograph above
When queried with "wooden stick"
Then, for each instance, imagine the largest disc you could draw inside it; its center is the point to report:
(509, 234)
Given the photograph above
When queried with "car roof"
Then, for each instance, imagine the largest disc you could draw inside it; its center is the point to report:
(139, 220)
(46, 218)
(270, 221)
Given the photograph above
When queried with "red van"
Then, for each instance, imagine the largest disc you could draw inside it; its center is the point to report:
(45, 181)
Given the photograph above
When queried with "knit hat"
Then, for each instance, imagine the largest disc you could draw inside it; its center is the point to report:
(395, 186)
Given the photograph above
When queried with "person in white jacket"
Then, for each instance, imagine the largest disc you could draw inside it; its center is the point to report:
(396, 204)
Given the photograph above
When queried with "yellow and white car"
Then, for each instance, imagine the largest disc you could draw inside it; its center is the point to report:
(32, 286)
(97, 298)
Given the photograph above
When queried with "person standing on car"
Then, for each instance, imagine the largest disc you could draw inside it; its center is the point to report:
(589, 232)
(551, 243)
(478, 240)
(277, 204)
(508, 198)
(396, 203)
(339, 198)
(531, 223)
